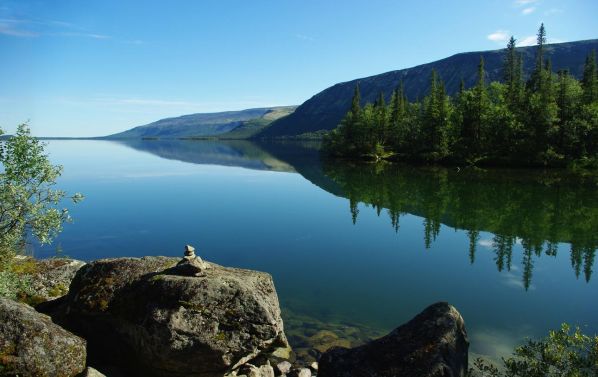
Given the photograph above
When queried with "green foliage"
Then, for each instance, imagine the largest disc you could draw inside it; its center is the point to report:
(14, 285)
(564, 353)
(28, 199)
(552, 120)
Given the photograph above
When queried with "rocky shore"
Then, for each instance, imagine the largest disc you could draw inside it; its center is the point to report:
(161, 316)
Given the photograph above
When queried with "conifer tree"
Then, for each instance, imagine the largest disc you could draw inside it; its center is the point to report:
(590, 79)
(537, 74)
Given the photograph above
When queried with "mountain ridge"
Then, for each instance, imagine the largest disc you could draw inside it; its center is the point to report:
(324, 110)
(205, 124)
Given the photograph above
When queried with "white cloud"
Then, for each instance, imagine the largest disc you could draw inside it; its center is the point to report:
(14, 28)
(524, 2)
(529, 10)
(499, 36)
(527, 41)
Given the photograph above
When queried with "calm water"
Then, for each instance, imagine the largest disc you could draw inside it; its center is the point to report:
(364, 247)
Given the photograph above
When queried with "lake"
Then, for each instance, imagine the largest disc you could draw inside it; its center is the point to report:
(357, 249)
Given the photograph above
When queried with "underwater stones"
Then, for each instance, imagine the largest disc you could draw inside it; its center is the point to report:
(300, 372)
(32, 345)
(323, 340)
(432, 344)
(283, 367)
(251, 370)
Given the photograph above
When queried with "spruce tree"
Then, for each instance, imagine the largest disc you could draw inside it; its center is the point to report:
(590, 79)
(537, 74)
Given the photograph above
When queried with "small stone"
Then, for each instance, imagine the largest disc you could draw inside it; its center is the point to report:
(283, 367)
(189, 251)
(314, 366)
(300, 372)
(251, 370)
(90, 372)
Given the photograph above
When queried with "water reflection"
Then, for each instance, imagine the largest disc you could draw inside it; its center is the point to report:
(536, 209)
(226, 153)
(539, 210)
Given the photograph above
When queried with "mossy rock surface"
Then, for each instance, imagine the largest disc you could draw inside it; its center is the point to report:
(49, 279)
(32, 345)
(139, 313)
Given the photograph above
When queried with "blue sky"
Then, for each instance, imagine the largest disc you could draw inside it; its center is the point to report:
(88, 68)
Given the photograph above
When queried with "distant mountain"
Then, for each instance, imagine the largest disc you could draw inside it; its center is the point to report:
(247, 121)
(325, 110)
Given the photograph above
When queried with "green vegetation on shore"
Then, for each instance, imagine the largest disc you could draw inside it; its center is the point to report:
(563, 353)
(551, 119)
(28, 202)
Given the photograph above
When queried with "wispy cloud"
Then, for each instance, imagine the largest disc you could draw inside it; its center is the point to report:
(498, 36)
(304, 37)
(83, 35)
(527, 11)
(23, 27)
(524, 2)
(15, 28)
(145, 105)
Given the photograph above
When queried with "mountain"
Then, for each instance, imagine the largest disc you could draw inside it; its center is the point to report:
(325, 110)
(247, 122)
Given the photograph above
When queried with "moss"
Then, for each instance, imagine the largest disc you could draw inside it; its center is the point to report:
(103, 304)
(30, 299)
(191, 306)
(58, 290)
(27, 266)
(221, 336)
(8, 355)
(158, 277)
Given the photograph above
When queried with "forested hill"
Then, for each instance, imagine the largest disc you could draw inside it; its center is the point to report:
(325, 110)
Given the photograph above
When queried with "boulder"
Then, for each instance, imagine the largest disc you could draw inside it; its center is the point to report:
(140, 313)
(433, 344)
(32, 345)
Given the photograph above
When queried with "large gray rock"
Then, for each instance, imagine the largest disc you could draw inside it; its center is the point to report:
(139, 313)
(32, 345)
(433, 344)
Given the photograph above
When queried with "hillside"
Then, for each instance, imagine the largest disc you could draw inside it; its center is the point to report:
(208, 124)
(327, 108)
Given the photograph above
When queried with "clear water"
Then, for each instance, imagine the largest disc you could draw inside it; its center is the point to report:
(277, 208)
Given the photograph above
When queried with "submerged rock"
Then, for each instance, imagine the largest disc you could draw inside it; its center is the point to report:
(134, 312)
(32, 345)
(433, 344)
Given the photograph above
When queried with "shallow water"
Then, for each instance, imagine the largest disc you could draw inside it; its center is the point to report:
(356, 249)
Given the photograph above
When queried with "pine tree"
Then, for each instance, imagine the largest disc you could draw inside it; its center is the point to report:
(537, 74)
(480, 107)
(590, 79)
(513, 75)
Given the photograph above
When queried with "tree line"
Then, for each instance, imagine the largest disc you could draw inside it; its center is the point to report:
(549, 119)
